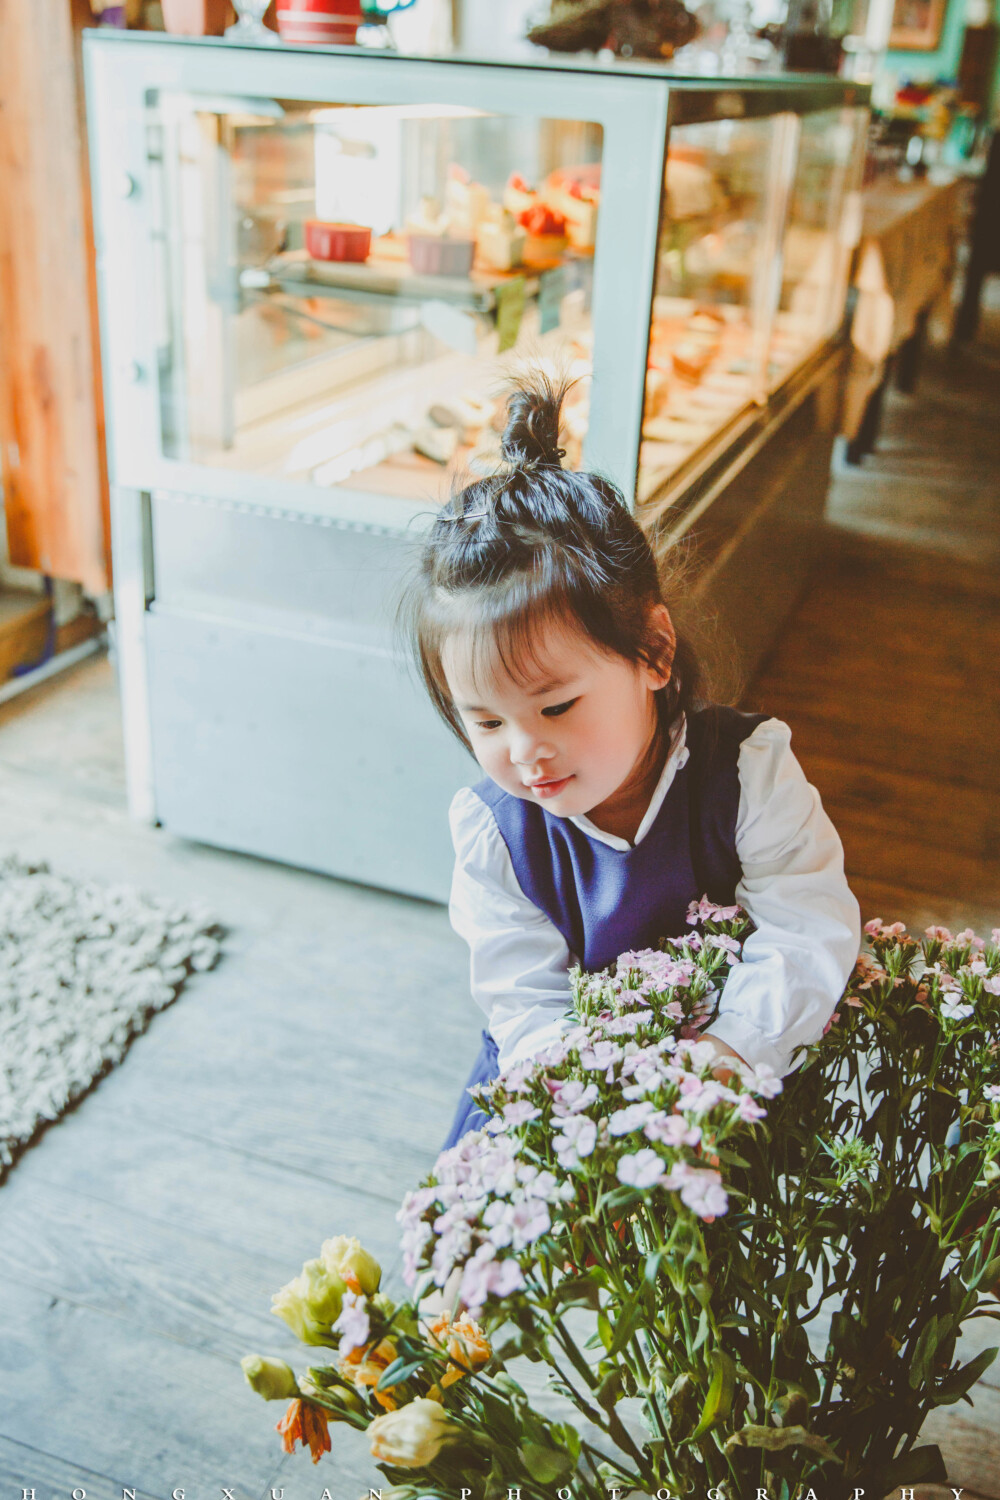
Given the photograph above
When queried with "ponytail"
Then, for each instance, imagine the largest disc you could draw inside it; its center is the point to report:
(535, 543)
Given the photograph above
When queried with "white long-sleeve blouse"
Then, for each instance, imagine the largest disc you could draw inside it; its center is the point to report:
(795, 964)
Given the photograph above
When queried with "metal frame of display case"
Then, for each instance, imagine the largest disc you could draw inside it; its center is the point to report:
(635, 104)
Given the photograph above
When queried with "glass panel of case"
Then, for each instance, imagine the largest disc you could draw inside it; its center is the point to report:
(343, 290)
(819, 236)
(710, 318)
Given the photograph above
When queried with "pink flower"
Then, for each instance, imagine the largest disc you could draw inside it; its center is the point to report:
(520, 1111)
(874, 927)
(572, 1096)
(603, 1054)
(833, 1019)
(765, 1081)
(700, 1188)
(942, 934)
(707, 911)
(672, 1130)
(353, 1324)
(749, 1110)
(484, 1276)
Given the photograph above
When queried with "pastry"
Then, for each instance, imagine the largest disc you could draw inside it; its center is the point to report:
(466, 203)
(692, 357)
(518, 196)
(500, 240)
(546, 237)
(575, 193)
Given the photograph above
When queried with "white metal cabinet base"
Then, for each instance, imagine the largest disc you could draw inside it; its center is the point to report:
(302, 750)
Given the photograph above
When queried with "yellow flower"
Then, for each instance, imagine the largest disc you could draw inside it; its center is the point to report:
(365, 1367)
(270, 1378)
(346, 1258)
(465, 1342)
(311, 1303)
(412, 1437)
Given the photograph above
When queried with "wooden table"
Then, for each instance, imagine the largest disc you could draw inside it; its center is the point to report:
(903, 273)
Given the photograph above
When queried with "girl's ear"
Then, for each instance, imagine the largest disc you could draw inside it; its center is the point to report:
(662, 645)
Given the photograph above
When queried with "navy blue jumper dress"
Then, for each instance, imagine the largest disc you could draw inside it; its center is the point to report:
(606, 901)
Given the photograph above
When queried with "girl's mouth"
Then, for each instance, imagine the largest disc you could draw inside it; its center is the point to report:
(550, 788)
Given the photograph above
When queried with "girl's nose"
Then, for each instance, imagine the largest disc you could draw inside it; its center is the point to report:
(527, 750)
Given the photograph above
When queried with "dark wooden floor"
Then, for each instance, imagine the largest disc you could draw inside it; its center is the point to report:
(889, 671)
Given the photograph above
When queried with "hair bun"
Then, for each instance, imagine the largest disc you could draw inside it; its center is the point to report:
(532, 431)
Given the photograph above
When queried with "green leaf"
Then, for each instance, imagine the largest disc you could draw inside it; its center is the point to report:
(628, 1321)
(792, 1281)
(652, 1267)
(605, 1330)
(931, 1335)
(544, 1464)
(578, 1291)
(919, 1466)
(398, 1371)
(774, 1439)
(955, 1386)
(720, 1391)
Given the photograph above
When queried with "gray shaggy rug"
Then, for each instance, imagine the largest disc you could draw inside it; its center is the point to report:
(83, 967)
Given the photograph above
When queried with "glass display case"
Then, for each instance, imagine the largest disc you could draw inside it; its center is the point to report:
(319, 269)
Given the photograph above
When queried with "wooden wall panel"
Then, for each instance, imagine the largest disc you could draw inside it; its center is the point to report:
(51, 414)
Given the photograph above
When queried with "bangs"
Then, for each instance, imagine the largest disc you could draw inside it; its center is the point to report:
(500, 632)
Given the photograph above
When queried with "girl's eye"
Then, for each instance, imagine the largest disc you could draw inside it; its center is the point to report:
(487, 723)
(555, 709)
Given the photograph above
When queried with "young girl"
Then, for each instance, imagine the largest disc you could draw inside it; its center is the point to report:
(612, 797)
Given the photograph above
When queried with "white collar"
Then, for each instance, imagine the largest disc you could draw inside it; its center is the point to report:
(676, 758)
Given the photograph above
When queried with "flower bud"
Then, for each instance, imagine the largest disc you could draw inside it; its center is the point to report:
(346, 1258)
(311, 1303)
(413, 1436)
(270, 1378)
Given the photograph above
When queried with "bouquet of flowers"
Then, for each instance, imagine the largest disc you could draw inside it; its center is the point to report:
(733, 1283)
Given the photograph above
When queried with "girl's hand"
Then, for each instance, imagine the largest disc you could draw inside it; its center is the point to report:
(723, 1072)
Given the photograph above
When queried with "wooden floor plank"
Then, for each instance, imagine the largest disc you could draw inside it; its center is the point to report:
(126, 1267)
(22, 1467)
(216, 1193)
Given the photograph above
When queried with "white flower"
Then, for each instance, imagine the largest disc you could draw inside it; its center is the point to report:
(576, 1138)
(954, 1006)
(641, 1169)
(992, 1092)
(633, 1117)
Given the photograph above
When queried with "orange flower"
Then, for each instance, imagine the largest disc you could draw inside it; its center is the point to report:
(306, 1424)
(466, 1343)
(364, 1367)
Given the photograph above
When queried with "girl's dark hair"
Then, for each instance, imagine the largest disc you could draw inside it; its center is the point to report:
(536, 541)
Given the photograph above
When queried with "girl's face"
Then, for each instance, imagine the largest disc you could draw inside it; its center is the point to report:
(568, 736)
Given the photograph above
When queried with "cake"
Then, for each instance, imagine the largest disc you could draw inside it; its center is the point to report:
(500, 240)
